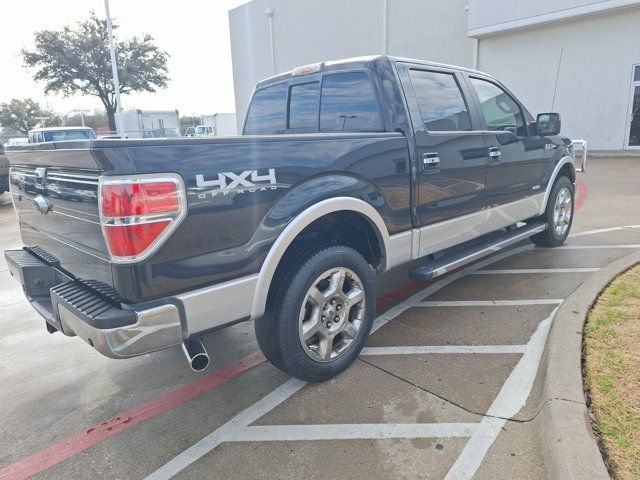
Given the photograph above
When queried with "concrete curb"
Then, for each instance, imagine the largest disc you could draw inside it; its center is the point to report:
(569, 449)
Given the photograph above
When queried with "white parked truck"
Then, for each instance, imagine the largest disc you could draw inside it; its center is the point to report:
(151, 123)
(216, 125)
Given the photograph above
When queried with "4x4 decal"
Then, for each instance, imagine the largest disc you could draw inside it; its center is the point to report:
(249, 180)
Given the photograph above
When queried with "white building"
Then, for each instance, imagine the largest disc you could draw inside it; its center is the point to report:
(578, 57)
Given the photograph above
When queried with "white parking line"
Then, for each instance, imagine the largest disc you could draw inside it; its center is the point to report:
(443, 349)
(511, 398)
(596, 247)
(534, 270)
(604, 230)
(349, 431)
(215, 438)
(488, 303)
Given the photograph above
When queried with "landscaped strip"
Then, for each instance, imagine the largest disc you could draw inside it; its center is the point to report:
(612, 373)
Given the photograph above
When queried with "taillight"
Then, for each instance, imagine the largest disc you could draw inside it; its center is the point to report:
(138, 214)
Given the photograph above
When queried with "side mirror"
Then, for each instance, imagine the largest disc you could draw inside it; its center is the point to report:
(548, 124)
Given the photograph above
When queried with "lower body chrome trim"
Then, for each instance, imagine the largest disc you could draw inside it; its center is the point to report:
(455, 231)
(218, 305)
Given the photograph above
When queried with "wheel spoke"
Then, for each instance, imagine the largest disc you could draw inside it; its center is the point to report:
(325, 347)
(336, 282)
(354, 296)
(311, 326)
(350, 330)
(316, 296)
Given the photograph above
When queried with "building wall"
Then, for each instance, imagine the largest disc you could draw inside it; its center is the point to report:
(492, 16)
(594, 78)
(309, 31)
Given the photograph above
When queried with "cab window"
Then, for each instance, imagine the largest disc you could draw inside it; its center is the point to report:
(349, 104)
(303, 106)
(442, 106)
(501, 112)
(268, 111)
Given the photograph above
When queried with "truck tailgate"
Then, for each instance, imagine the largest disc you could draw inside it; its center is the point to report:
(55, 191)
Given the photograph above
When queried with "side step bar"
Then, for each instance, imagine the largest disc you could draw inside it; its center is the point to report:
(459, 259)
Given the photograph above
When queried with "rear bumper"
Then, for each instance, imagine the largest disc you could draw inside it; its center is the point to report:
(87, 310)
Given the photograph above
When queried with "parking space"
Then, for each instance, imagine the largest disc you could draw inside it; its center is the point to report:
(435, 394)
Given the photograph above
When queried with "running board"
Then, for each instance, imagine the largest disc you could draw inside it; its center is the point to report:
(456, 260)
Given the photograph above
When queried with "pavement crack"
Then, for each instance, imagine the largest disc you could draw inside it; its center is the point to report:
(468, 410)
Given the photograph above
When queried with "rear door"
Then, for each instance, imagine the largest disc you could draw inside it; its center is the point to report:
(515, 157)
(451, 156)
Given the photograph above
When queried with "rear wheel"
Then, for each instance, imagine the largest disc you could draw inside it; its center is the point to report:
(320, 313)
(558, 215)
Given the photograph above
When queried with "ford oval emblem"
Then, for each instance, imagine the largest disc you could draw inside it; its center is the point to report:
(42, 205)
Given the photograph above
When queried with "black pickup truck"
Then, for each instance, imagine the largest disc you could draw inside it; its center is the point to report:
(344, 170)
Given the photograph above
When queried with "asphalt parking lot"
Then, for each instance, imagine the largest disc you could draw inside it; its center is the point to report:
(445, 388)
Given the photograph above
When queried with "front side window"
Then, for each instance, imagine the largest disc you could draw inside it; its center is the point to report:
(303, 106)
(349, 104)
(501, 112)
(268, 111)
(441, 103)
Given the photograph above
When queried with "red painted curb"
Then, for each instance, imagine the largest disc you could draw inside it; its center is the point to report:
(62, 451)
(581, 194)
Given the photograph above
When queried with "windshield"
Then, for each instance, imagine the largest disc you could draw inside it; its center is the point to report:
(61, 135)
(200, 130)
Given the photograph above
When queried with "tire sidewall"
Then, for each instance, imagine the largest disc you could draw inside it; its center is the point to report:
(559, 185)
(318, 263)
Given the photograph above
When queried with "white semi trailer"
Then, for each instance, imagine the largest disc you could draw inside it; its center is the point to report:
(151, 123)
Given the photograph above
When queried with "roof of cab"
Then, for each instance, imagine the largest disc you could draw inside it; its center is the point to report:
(364, 62)
(57, 129)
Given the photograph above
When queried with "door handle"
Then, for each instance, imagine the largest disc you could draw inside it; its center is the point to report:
(431, 162)
(494, 154)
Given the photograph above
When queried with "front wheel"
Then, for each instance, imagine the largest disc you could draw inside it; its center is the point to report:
(320, 313)
(558, 215)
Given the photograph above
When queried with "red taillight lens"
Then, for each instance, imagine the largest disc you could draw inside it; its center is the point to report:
(138, 214)
(136, 199)
(132, 240)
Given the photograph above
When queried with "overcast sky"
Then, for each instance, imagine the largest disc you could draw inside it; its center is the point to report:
(194, 32)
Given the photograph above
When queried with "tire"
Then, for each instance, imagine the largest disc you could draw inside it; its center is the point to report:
(558, 215)
(320, 312)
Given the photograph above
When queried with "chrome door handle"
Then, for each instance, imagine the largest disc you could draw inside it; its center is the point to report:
(494, 154)
(430, 163)
(430, 159)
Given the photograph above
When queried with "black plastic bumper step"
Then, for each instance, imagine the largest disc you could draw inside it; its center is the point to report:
(456, 260)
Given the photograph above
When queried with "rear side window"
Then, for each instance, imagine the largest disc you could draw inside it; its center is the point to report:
(303, 106)
(267, 112)
(441, 102)
(349, 104)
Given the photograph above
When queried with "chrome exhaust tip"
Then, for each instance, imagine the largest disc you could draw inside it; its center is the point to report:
(197, 356)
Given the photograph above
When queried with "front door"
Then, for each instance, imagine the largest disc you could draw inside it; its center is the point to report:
(516, 159)
(451, 157)
(633, 138)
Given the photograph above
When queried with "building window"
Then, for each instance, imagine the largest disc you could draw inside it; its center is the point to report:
(441, 103)
(303, 106)
(268, 111)
(636, 73)
(349, 104)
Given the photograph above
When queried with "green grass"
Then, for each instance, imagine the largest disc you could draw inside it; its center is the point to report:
(611, 373)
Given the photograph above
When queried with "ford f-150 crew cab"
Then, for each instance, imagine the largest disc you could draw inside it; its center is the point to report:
(345, 170)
